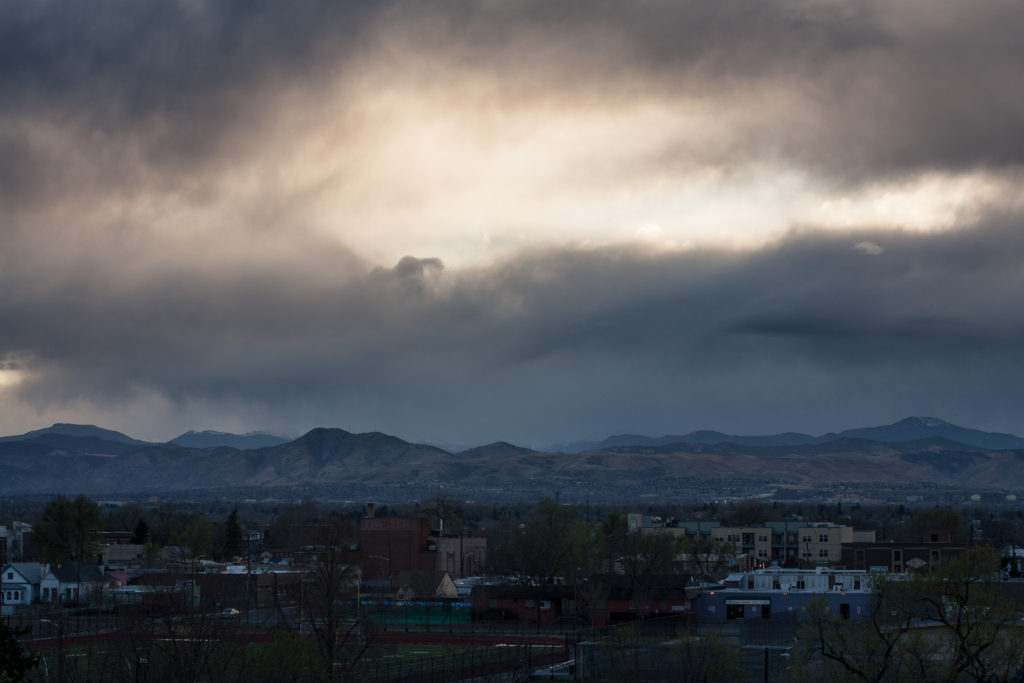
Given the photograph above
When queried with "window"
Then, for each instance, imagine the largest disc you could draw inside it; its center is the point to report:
(856, 583)
(807, 538)
(763, 538)
(800, 583)
(822, 538)
(10, 576)
(823, 552)
(762, 553)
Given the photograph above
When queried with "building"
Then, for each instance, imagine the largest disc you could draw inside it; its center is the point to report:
(14, 541)
(73, 582)
(19, 583)
(785, 542)
(461, 556)
(411, 585)
(778, 592)
(921, 557)
(389, 545)
(598, 601)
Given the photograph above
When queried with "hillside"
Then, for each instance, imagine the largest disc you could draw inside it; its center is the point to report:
(343, 461)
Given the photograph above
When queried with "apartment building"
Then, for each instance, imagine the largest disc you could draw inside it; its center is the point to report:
(785, 542)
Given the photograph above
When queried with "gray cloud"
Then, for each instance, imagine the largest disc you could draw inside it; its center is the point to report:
(159, 248)
(854, 91)
(553, 344)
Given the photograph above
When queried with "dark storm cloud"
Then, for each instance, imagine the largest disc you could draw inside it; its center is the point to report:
(810, 330)
(853, 90)
(152, 91)
(152, 246)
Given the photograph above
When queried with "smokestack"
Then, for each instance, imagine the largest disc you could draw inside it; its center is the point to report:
(369, 510)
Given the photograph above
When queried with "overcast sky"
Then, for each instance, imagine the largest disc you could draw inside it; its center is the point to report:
(532, 221)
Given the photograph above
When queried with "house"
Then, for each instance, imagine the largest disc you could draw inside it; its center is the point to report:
(19, 583)
(73, 582)
(424, 584)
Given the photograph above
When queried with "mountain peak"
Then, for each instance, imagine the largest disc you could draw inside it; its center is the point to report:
(925, 421)
(210, 438)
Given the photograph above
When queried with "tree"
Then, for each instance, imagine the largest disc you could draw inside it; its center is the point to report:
(706, 555)
(293, 526)
(449, 513)
(341, 632)
(872, 648)
(194, 538)
(939, 520)
(555, 542)
(141, 533)
(640, 555)
(67, 529)
(950, 625)
(15, 663)
(232, 535)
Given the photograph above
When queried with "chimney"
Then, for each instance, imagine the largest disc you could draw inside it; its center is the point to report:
(369, 510)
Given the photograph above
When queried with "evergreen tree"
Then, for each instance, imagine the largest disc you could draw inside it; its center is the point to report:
(232, 534)
(15, 663)
(141, 533)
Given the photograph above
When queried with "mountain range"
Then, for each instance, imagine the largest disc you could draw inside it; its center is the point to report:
(908, 429)
(68, 458)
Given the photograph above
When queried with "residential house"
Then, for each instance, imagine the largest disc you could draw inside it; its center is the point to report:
(19, 583)
(73, 582)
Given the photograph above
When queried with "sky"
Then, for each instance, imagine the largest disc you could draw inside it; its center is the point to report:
(462, 222)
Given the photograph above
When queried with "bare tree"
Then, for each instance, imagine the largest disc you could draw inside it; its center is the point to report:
(950, 625)
(330, 603)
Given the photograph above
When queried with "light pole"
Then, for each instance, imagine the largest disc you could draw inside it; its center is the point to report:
(60, 645)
